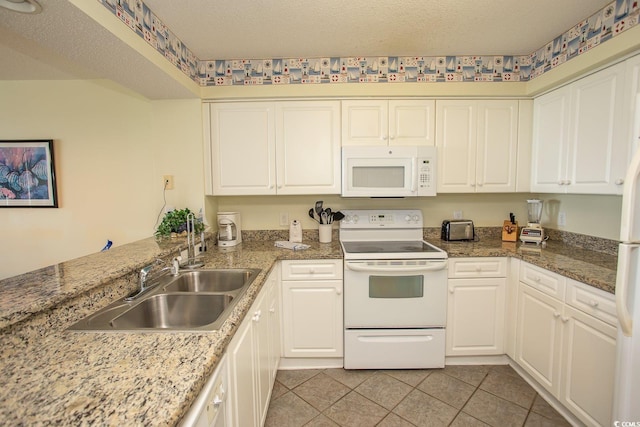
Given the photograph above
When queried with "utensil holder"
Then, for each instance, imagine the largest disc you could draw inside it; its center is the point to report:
(324, 233)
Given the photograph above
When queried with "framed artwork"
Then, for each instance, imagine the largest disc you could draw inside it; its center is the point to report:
(27, 174)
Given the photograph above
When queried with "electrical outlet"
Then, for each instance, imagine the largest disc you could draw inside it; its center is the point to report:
(284, 219)
(562, 219)
(457, 214)
(168, 182)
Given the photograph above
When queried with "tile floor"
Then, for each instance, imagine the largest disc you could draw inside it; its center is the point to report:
(454, 396)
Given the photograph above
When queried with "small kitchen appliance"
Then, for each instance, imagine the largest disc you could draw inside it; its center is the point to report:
(380, 171)
(229, 229)
(457, 229)
(533, 232)
(395, 291)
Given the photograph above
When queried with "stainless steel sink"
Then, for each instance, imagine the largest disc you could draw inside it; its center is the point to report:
(210, 281)
(196, 300)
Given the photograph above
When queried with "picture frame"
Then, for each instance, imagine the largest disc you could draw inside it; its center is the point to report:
(27, 174)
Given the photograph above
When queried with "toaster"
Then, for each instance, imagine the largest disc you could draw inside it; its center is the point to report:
(457, 229)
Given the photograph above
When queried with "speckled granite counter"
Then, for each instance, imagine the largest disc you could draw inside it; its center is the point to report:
(51, 376)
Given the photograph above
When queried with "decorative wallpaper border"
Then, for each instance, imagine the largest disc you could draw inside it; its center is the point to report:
(613, 19)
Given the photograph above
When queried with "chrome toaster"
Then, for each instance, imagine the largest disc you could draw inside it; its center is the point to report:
(457, 229)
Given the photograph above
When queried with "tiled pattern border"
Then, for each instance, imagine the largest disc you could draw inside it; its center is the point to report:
(612, 20)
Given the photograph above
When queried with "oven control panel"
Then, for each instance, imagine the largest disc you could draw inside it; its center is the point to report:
(397, 218)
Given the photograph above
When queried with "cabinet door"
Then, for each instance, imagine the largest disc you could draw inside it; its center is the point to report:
(243, 392)
(539, 337)
(312, 318)
(550, 141)
(497, 146)
(365, 122)
(632, 105)
(475, 317)
(456, 123)
(308, 147)
(242, 149)
(412, 122)
(275, 341)
(589, 364)
(597, 149)
(260, 320)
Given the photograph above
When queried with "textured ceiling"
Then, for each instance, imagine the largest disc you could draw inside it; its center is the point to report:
(254, 29)
(64, 43)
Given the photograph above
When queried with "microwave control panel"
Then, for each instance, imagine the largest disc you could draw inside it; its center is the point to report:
(426, 172)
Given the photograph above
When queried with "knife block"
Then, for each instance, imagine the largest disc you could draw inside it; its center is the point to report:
(509, 231)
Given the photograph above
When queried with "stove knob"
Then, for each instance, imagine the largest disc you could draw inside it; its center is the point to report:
(347, 219)
(355, 218)
(415, 218)
(407, 218)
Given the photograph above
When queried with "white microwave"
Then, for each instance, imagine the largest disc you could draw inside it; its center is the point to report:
(403, 171)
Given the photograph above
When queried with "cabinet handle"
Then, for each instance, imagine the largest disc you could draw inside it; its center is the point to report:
(393, 137)
(479, 184)
(593, 303)
(567, 182)
(556, 314)
(619, 181)
(279, 186)
(256, 316)
(479, 269)
(565, 319)
(536, 279)
(338, 291)
(217, 401)
(383, 137)
(451, 290)
(312, 271)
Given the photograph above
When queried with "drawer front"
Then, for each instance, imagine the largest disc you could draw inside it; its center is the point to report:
(545, 281)
(593, 301)
(312, 269)
(461, 268)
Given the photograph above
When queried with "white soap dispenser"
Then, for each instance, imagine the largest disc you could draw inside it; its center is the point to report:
(295, 231)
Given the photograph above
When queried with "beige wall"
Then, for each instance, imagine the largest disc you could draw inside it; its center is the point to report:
(111, 149)
(593, 215)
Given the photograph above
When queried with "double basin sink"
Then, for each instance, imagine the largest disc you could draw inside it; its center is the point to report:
(195, 300)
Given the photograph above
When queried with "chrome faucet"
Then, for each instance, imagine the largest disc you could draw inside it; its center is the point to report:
(143, 276)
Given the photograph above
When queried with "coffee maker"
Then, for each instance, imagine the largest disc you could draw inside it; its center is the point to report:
(229, 229)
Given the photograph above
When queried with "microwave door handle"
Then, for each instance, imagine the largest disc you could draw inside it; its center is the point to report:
(401, 268)
(414, 174)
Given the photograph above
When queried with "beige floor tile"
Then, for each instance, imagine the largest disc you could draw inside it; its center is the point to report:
(293, 378)
(321, 391)
(352, 378)
(466, 420)
(423, 410)
(355, 410)
(495, 411)
(393, 420)
(509, 387)
(448, 389)
(471, 374)
(413, 377)
(537, 420)
(321, 421)
(289, 411)
(505, 369)
(278, 390)
(541, 407)
(384, 390)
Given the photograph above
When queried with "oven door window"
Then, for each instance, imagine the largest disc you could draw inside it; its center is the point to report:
(396, 286)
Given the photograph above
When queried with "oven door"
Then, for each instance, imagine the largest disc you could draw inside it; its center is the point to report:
(395, 294)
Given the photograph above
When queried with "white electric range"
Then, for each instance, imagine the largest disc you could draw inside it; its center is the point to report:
(395, 291)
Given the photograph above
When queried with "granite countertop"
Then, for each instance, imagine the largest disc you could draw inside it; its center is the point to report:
(52, 376)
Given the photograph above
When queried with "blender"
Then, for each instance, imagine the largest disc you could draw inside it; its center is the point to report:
(533, 232)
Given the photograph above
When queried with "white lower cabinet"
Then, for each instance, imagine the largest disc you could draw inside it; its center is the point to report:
(476, 306)
(567, 342)
(312, 314)
(253, 355)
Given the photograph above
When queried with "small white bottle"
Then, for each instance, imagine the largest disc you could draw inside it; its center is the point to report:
(295, 231)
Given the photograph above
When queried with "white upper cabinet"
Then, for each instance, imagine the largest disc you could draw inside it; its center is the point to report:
(579, 136)
(385, 122)
(308, 147)
(258, 148)
(477, 145)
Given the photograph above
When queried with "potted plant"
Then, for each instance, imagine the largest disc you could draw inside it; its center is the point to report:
(176, 222)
